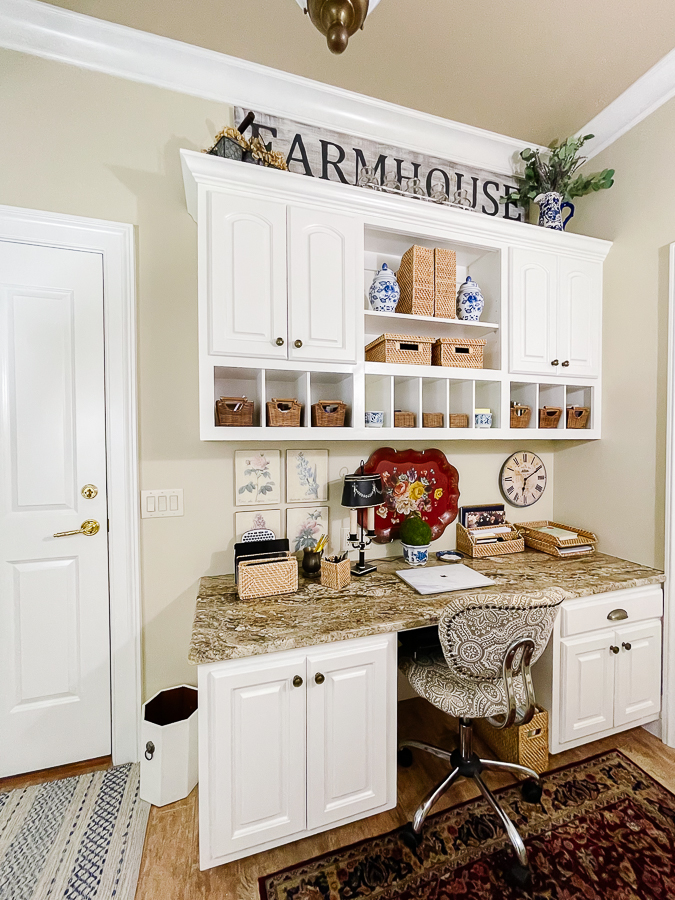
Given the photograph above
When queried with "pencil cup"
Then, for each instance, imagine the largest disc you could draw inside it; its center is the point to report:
(335, 575)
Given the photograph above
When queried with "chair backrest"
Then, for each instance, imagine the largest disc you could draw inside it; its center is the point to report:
(477, 631)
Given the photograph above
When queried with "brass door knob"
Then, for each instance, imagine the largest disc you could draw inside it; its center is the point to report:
(88, 527)
(297, 681)
(565, 364)
(319, 678)
(279, 342)
(626, 645)
(614, 649)
(297, 344)
(555, 362)
(89, 491)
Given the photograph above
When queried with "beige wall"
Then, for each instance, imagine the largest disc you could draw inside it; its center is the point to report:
(616, 486)
(86, 144)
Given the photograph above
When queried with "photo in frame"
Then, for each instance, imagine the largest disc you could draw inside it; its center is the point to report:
(484, 516)
(305, 525)
(257, 477)
(306, 476)
(269, 519)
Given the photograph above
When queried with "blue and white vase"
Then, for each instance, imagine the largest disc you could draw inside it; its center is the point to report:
(416, 556)
(551, 205)
(470, 301)
(384, 291)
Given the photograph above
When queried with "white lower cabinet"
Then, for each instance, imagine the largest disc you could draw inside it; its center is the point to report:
(587, 680)
(292, 743)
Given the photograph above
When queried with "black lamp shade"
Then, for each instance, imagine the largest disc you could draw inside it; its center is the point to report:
(361, 491)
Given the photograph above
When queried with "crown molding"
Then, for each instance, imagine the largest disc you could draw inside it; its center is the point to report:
(641, 99)
(51, 32)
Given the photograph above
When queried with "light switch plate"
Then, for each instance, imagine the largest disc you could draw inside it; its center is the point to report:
(156, 504)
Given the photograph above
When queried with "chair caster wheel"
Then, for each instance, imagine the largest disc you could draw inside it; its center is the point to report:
(519, 876)
(531, 791)
(404, 757)
(409, 837)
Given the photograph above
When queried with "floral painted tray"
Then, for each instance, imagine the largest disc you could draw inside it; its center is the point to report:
(414, 481)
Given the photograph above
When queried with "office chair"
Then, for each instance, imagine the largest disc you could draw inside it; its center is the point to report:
(481, 670)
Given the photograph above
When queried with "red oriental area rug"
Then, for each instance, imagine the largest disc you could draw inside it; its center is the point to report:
(605, 831)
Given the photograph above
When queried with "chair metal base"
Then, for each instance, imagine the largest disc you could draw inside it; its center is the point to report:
(466, 764)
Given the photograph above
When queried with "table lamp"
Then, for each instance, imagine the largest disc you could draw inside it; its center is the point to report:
(362, 492)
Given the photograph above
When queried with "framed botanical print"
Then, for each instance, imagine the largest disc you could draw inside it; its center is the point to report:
(305, 525)
(269, 519)
(306, 476)
(257, 477)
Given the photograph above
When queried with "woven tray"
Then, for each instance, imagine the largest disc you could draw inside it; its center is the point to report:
(550, 544)
(526, 745)
(577, 416)
(405, 349)
(260, 578)
(335, 575)
(445, 283)
(479, 551)
(456, 352)
(415, 277)
(520, 416)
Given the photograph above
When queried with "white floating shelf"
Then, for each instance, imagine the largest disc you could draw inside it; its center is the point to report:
(378, 368)
(426, 326)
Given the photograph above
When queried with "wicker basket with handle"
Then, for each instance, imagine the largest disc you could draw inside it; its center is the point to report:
(335, 575)
(526, 745)
(549, 416)
(465, 353)
(577, 416)
(445, 283)
(267, 578)
(415, 278)
(404, 419)
(329, 414)
(283, 413)
(466, 542)
(520, 416)
(405, 349)
(433, 420)
(232, 411)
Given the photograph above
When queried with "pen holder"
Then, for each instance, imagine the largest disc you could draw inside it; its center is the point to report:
(335, 575)
(311, 562)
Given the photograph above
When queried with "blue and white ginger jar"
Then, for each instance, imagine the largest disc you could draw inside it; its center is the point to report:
(384, 291)
(470, 301)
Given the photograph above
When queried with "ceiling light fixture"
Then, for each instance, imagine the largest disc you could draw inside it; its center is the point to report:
(338, 19)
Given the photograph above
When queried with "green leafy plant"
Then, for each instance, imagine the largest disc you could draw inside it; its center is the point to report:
(415, 532)
(554, 171)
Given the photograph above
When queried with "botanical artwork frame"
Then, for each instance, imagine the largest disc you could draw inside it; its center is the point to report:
(257, 518)
(305, 525)
(257, 477)
(306, 476)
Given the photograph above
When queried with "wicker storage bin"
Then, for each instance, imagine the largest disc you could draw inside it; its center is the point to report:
(520, 416)
(233, 411)
(549, 543)
(415, 277)
(467, 354)
(445, 283)
(335, 575)
(329, 414)
(433, 420)
(459, 420)
(284, 413)
(262, 578)
(467, 544)
(526, 745)
(577, 416)
(403, 419)
(405, 349)
(549, 416)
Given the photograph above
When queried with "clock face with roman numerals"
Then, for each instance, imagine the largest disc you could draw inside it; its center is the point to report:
(522, 479)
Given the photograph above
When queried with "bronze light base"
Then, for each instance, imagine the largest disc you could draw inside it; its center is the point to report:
(338, 20)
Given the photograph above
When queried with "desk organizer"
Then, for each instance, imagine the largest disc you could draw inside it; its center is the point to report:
(526, 745)
(445, 283)
(459, 353)
(284, 413)
(329, 414)
(266, 578)
(234, 411)
(552, 545)
(415, 278)
(577, 416)
(403, 419)
(549, 416)
(466, 542)
(400, 349)
(432, 420)
(520, 416)
(335, 575)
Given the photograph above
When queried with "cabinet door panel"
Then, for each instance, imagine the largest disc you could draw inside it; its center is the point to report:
(252, 756)
(638, 672)
(350, 747)
(247, 307)
(579, 316)
(587, 685)
(533, 311)
(325, 282)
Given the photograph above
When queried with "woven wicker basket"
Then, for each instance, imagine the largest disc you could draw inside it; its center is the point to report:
(445, 283)
(466, 543)
(549, 543)
(335, 575)
(526, 745)
(520, 416)
(415, 277)
(403, 419)
(456, 352)
(233, 411)
(329, 414)
(433, 420)
(577, 416)
(459, 420)
(549, 416)
(262, 578)
(283, 413)
(400, 349)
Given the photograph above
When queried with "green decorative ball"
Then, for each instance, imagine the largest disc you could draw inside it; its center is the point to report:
(415, 531)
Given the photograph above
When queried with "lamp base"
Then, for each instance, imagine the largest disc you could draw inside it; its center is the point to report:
(363, 570)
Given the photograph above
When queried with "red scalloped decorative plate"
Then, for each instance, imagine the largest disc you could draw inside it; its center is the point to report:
(414, 481)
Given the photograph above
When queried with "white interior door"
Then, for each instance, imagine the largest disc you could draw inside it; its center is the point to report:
(54, 606)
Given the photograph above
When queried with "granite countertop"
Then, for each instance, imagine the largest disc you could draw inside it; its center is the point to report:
(226, 627)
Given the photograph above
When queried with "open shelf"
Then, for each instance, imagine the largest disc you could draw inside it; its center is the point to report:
(427, 326)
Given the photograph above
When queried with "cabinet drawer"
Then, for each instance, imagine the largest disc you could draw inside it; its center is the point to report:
(592, 613)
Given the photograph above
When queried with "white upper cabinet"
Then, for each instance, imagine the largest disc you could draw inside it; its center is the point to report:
(579, 317)
(246, 276)
(324, 282)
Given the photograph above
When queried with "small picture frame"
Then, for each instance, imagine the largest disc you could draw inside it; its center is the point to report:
(305, 525)
(268, 519)
(485, 516)
(306, 476)
(257, 477)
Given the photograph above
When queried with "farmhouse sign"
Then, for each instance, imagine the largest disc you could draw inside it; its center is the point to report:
(340, 157)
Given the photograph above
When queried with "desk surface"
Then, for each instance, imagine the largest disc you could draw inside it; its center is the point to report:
(228, 628)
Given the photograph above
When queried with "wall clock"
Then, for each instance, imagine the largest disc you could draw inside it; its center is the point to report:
(522, 479)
